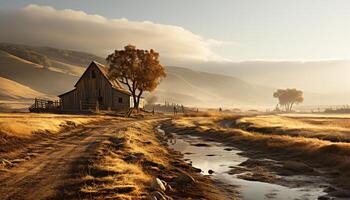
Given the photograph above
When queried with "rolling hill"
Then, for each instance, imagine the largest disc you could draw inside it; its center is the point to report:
(54, 71)
(11, 90)
(17, 97)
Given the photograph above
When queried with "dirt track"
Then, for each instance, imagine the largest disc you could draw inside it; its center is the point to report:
(55, 163)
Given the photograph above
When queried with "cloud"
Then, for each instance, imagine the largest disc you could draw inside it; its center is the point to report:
(77, 30)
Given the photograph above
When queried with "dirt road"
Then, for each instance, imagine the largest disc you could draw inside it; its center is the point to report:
(51, 166)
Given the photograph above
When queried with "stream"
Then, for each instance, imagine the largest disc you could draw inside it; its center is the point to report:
(208, 155)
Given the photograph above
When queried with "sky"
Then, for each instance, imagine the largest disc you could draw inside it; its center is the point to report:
(225, 30)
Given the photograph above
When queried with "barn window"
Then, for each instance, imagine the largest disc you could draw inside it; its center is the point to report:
(120, 100)
(93, 74)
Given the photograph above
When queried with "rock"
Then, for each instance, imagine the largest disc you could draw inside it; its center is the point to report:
(168, 188)
(134, 157)
(184, 179)
(340, 194)
(147, 142)
(18, 160)
(157, 196)
(32, 154)
(210, 171)
(158, 185)
(197, 169)
(325, 197)
(297, 166)
(201, 145)
(5, 162)
(329, 189)
(250, 163)
(148, 163)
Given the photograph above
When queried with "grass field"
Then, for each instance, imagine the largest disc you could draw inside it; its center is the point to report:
(326, 127)
(24, 125)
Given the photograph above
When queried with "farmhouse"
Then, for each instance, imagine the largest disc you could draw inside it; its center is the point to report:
(96, 90)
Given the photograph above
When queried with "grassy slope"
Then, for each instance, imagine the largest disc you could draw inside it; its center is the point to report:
(34, 75)
(12, 90)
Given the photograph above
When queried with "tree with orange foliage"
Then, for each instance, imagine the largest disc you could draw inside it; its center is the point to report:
(138, 69)
(289, 97)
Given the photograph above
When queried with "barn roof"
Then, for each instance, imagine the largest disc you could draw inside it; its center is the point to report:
(67, 92)
(104, 70)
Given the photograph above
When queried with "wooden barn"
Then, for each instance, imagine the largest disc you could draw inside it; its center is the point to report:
(95, 90)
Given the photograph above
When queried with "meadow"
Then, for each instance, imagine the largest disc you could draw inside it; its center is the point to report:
(24, 125)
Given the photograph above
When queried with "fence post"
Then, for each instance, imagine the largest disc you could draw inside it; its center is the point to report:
(81, 107)
(97, 107)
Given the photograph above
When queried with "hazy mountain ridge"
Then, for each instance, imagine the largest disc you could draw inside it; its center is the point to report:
(322, 77)
(215, 89)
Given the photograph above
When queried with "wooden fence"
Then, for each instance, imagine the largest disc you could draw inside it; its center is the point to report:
(42, 105)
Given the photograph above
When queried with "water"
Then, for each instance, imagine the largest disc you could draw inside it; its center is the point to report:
(215, 157)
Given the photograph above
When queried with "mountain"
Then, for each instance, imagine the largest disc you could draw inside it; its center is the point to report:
(45, 69)
(54, 71)
(209, 89)
(322, 77)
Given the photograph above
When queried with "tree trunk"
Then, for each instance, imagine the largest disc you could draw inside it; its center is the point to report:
(136, 105)
(138, 99)
(291, 106)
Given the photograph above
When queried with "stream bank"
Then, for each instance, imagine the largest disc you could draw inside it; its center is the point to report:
(257, 177)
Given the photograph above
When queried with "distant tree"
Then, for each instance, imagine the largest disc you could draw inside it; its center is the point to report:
(138, 69)
(288, 97)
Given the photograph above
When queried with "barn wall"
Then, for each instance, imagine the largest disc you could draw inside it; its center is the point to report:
(95, 88)
(69, 101)
(120, 101)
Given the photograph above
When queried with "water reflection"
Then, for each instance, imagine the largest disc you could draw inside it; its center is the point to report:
(214, 156)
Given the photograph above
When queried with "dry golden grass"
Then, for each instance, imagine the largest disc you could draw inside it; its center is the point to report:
(290, 123)
(121, 172)
(25, 124)
(129, 161)
(333, 129)
(317, 115)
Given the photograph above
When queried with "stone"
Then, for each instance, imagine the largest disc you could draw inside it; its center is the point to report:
(134, 157)
(169, 188)
(297, 166)
(156, 195)
(5, 162)
(18, 160)
(341, 194)
(184, 179)
(325, 197)
(158, 185)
